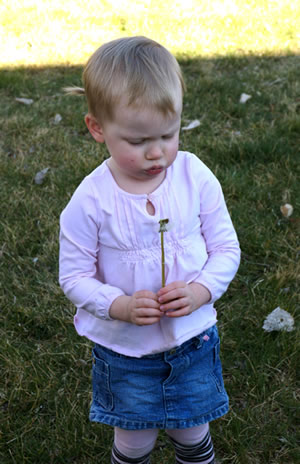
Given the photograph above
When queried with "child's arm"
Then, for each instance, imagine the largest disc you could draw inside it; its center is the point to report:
(223, 252)
(80, 223)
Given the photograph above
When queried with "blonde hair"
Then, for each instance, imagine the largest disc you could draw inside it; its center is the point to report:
(138, 68)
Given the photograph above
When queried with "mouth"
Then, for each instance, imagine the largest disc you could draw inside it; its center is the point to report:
(154, 171)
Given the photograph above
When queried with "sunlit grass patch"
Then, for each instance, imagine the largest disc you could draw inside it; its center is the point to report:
(55, 32)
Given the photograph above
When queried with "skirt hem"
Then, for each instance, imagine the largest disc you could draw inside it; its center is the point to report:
(163, 425)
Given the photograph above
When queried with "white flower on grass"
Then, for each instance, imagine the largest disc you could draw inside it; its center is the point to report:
(279, 319)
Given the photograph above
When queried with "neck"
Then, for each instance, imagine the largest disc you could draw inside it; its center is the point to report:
(137, 187)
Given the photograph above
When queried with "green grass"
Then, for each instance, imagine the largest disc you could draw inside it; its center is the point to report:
(253, 149)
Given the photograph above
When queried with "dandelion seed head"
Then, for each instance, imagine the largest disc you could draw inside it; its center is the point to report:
(279, 320)
(163, 225)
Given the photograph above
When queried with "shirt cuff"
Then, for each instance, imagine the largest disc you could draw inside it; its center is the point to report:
(100, 302)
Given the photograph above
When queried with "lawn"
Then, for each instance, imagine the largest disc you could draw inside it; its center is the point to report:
(225, 49)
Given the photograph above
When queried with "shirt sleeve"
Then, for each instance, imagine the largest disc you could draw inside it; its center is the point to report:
(79, 247)
(221, 241)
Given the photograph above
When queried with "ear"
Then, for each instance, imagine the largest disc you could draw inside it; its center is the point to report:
(94, 127)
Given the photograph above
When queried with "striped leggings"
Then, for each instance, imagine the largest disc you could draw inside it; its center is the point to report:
(191, 445)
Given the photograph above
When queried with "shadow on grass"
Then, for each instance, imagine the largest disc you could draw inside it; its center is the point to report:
(253, 149)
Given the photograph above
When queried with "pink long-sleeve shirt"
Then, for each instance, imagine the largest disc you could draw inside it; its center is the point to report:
(110, 246)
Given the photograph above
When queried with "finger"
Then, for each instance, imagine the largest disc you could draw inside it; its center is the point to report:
(171, 286)
(145, 294)
(173, 295)
(147, 303)
(147, 312)
(175, 304)
(179, 313)
(146, 316)
(147, 320)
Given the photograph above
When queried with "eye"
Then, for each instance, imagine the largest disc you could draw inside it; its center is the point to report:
(168, 136)
(135, 142)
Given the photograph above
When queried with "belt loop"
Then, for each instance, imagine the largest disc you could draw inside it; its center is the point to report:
(199, 341)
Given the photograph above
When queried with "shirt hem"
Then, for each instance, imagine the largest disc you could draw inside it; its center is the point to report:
(166, 347)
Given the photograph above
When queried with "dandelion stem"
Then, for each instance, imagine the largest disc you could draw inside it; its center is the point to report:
(163, 278)
(163, 228)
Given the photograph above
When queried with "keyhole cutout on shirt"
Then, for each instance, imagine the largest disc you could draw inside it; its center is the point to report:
(150, 208)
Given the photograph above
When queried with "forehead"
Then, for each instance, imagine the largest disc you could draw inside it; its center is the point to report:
(140, 117)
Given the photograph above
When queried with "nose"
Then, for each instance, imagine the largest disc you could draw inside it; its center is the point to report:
(154, 152)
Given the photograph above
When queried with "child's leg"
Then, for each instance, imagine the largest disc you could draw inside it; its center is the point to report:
(133, 446)
(192, 445)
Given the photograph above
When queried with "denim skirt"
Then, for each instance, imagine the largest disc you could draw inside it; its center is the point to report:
(176, 389)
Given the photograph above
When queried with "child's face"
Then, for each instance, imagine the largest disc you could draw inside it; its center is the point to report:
(142, 142)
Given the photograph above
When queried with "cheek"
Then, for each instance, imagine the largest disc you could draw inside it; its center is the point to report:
(173, 147)
(127, 161)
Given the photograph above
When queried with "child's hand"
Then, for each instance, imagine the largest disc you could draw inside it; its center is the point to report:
(180, 299)
(142, 308)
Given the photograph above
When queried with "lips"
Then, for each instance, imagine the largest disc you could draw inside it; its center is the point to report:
(154, 170)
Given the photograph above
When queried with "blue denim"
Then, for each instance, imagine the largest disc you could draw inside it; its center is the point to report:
(179, 388)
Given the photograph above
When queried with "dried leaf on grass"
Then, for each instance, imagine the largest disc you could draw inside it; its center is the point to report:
(245, 97)
(279, 319)
(192, 125)
(286, 210)
(25, 101)
(57, 119)
(40, 176)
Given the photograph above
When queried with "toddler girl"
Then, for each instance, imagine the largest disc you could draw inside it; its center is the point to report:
(156, 356)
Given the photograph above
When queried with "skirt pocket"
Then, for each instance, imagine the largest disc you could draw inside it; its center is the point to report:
(101, 383)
